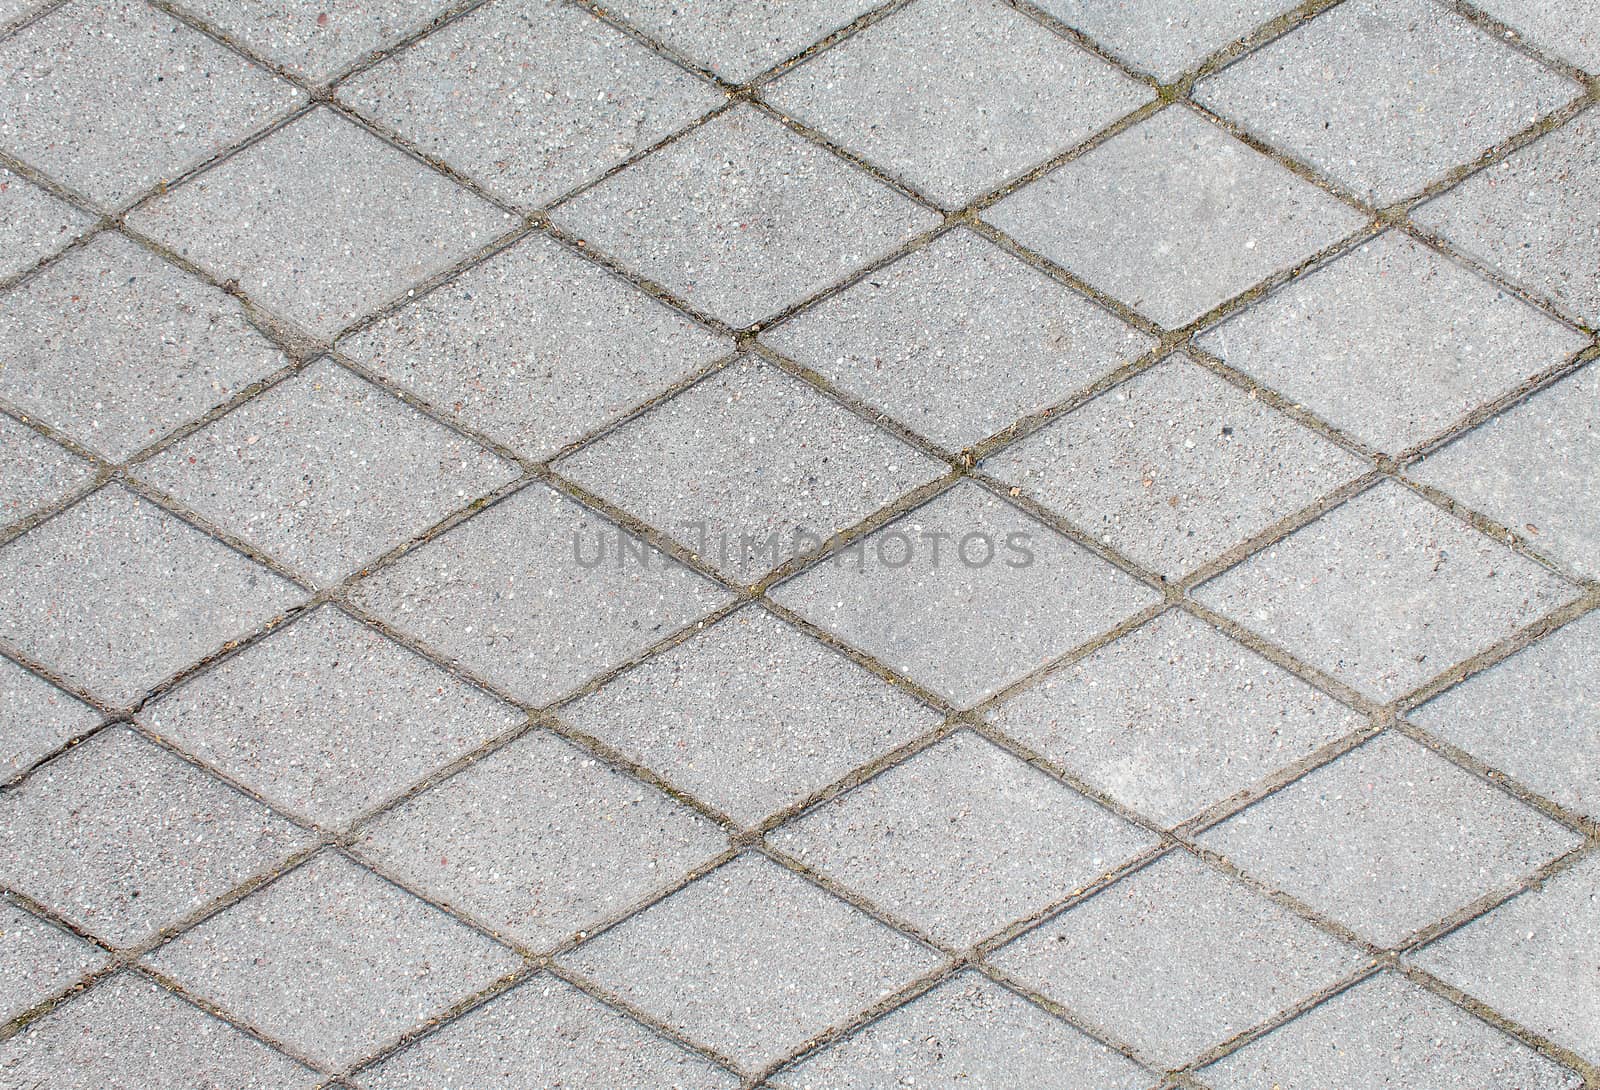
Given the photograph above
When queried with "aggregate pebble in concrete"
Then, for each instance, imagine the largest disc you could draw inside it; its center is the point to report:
(328, 718)
(1386, 591)
(33, 224)
(37, 960)
(36, 718)
(1390, 838)
(962, 840)
(540, 840)
(739, 39)
(115, 348)
(1174, 467)
(385, 960)
(1173, 216)
(1165, 37)
(119, 594)
(957, 97)
(530, 99)
(752, 960)
(1330, 342)
(743, 217)
(123, 838)
(1566, 29)
(33, 470)
(1174, 717)
(958, 339)
(750, 468)
(325, 472)
(321, 221)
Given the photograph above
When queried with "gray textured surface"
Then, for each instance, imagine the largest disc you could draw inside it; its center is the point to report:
(38, 961)
(1164, 37)
(32, 223)
(36, 718)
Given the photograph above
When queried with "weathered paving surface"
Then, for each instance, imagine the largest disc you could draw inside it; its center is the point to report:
(800, 544)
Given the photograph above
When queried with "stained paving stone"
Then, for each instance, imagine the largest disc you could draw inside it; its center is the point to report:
(321, 221)
(328, 718)
(1390, 838)
(312, 39)
(1535, 716)
(751, 715)
(965, 594)
(962, 840)
(33, 470)
(111, 97)
(1386, 1031)
(750, 468)
(752, 961)
(1566, 29)
(743, 217)
(968, 1031)
(36, 718)
(1165, 37)
(37, 961)
(333, 960)
(1536, 959)
(120, 595)
(540, 840)
(128, 1031)
(957, 97)
(538, 594)
(33, 224)
(546, 1034)
(1173, 718)
(958, 339)
(1176, 959)
(1175, 466)
(1386, 591)
(123, 838)
(1533, 469)
(1328, 341)
(1173, 216)
(116, 348)
(740, 39)
(1385, 97)
(531, 100)
(1533, 217)
(326, 472)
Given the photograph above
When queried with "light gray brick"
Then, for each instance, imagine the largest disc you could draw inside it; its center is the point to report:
(740, 39)
(34, 224)
(37, 960)
(312, 38)
(33, 470)
(36, 718)
(1568, 29)
(1165, 37)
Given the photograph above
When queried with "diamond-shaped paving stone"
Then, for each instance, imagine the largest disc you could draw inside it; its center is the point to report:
(1533, 469)
(33, 223)
(1175, 466)
(743, 217)
(1389, 838)
(1387, 1032)
(1173, 718)
(322, 221)
(328, 718)
(551, 1033)
(1329, 341)
(1386, 591)
(1535, 717)
(37, 960)
(1568, 29)
(957, 97)
(965, 594)
(1165, 37)
(120, 595)
(313, 38)
(962, 840)
(1535, 959)
(540, 840)
(969, 1031)
(1385, 95)
(123, 838)
(535, 346)
(749, 468)
(751, 715)
(128, 1032)
(1176, 959)
(325, 471)
(752, 960)
(538, 595)
(33, 470)
(739, 39)
(958, 339)
(333, 960)
(530, 100)
(115, 347)
(36, 718)
(1173, 216)
(112, 96)
(1535, 216)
